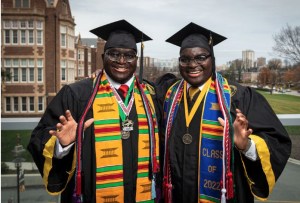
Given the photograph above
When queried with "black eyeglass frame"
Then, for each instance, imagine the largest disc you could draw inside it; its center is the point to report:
(126, 56)
(199, 59)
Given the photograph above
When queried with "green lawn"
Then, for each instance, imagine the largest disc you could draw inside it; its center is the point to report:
(293, 130)
(283, 103)
(9, 140)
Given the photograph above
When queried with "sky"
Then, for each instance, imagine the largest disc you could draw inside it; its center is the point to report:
(250, 24)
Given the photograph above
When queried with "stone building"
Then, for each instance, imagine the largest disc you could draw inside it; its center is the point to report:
(37, 52)
(40, 53)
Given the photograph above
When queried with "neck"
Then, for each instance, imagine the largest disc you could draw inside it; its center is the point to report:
(116, 84)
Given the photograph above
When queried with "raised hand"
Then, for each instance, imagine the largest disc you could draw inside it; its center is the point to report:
(241, 130)
(66, 129)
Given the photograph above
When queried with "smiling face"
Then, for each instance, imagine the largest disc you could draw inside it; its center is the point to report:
(122, 69)
(195, 73)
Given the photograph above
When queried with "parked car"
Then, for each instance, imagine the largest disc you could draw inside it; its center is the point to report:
(282, 90)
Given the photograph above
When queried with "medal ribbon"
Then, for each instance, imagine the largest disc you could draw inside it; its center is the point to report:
(125, 107)
(189, 116)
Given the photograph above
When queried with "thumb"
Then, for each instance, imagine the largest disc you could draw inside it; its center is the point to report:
(88, 123)
(221, 120)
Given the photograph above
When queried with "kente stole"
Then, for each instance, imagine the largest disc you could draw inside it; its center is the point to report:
(210, 141)
(108, 146)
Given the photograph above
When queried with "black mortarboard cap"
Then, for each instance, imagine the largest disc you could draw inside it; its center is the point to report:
(193, 35)
(120, 34)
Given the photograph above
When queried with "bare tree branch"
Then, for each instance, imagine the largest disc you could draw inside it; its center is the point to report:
(287, 43)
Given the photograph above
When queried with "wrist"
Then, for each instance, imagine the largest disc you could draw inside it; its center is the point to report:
(63, 145)
(249, 143)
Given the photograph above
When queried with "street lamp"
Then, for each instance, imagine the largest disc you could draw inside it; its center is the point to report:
(18, 150)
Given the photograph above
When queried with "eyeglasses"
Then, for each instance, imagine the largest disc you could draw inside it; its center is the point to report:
(185, 61)
(116, 56)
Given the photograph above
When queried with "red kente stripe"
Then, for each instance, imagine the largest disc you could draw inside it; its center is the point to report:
(103, 88)
(109, 177)
(107, 129)
(212, 129)
(143, 166)
(143, 123)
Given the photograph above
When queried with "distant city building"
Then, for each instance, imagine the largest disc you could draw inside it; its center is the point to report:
(147, 61)
(83, 59)
(261, 61)
(97, 49)
(89, 56)
(248, 59)
(166, 63)
(38, 54)
(249, 77)
(222, 67)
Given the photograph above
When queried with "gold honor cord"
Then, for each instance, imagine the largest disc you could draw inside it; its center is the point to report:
(189, 116)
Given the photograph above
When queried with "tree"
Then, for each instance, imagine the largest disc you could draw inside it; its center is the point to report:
(274, 65)
(234, 71)
(264, 76)
(288, 76)
(5, 75)
(237, 65)
(292, 77)
(4, 168)
(287, 43)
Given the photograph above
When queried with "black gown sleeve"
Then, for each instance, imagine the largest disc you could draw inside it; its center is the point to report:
(273, 144)
(56, 173)
(162, 84)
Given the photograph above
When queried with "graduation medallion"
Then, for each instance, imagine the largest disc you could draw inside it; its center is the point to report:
(187, 138)
(127, 126)
(125, 134)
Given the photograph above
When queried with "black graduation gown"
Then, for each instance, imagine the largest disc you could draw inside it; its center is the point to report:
(74, 97)
(265, 124)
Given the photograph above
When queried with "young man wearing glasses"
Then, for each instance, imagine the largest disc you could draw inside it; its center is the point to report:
(223, 142)
(98, 141)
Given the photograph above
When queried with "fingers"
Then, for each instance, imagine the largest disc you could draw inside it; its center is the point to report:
(88, 123)
(67, 125)
(56, 133)
(69, 116)
(249, 131)
(59, 127)
(241, 119)
(53, 132)
(63, 121)
(221, 120)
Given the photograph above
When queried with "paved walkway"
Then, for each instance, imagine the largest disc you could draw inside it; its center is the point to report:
(286, 189)
(25, 165)
(292, 92)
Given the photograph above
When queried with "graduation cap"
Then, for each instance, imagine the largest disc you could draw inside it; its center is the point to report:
(120, 34)
(193, 35)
